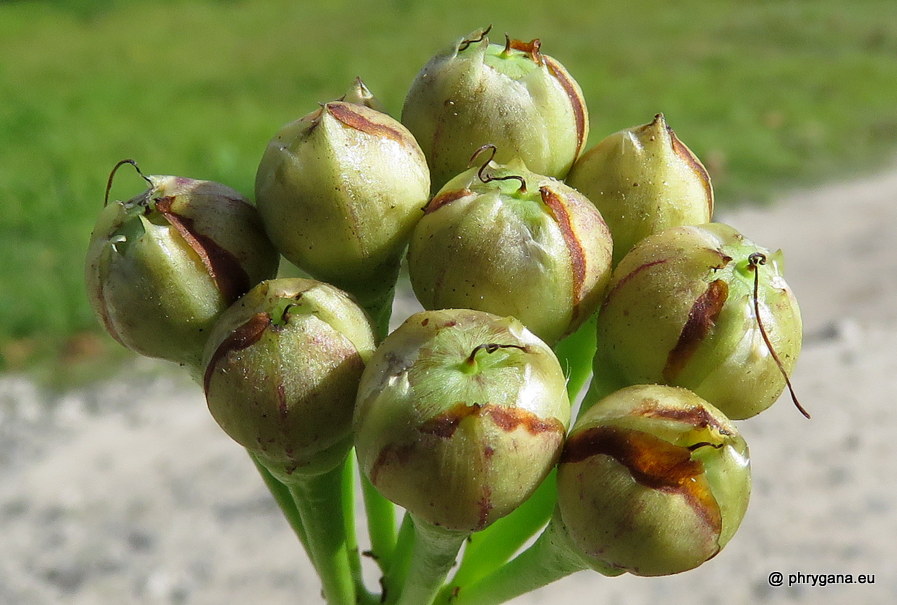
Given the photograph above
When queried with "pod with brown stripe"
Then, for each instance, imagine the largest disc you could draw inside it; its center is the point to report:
(460, 416)
(505, 240)
(281, 372)
(162, 266)
(653, 480)
(644, 180)
(681, 309)
(339, 191)
(512, 95)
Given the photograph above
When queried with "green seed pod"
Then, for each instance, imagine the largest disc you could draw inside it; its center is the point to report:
(653, 480)
(512, 243)
(339, 191)
(644, 180)
(282, 370)
(682, 309)
(460, 415)
(162, 266)
(511, 95)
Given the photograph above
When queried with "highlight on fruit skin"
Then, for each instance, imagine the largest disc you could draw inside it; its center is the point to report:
(161, 267)
(282, 367)
(644, 180)
(511, 95)
(460, 416)
(505, 240)
(653, 480)
(339, 191)
(681, 309)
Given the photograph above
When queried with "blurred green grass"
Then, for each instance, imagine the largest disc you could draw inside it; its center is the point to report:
(771, 95)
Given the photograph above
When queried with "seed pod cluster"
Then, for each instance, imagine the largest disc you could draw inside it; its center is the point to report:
(462, 412)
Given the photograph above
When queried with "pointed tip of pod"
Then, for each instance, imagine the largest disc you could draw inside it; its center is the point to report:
(359, 94)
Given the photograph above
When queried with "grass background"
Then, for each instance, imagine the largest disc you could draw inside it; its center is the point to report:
(770, 95)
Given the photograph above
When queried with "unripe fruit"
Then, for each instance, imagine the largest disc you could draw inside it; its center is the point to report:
(162, 266)
(653, 480)
(511, 95)
(461, 414)
(508, 241)
(680, 310)
(339, 191)
(644, 180)
(282, 370)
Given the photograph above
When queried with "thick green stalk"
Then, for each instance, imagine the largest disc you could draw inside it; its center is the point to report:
(380, 311)
(432, 557)
(381, 515)
(397, 570)
(492, 547)
(348, 488)
(545, 561)
(284, 499)
(319, 501)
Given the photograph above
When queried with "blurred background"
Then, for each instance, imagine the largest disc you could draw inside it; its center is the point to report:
(771, 95)
(115, 484)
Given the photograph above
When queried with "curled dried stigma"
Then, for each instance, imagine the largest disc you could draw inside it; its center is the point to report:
(467, 42)
(488, 178)
(112, 176)
(756, 260)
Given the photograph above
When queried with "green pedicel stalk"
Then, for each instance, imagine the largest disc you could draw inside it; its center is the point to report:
(394, 576)
(433, 554)
(363, 595)
(315, 496)
(549, 559)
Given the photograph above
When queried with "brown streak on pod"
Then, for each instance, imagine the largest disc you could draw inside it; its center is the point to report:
(244, 336)
(701, 319)
(507, 419)
(652, 462)
(350, 116)
(223, 267)
(576, 102)
(561, 214)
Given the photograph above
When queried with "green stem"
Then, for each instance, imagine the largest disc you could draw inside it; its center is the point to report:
(319, 501)
(433, 554)
(284, 500)
(544, 562)
(380, 311)
(492, 547)
(575, 352)
(381, 515)
(348, 501)
(397, 570)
